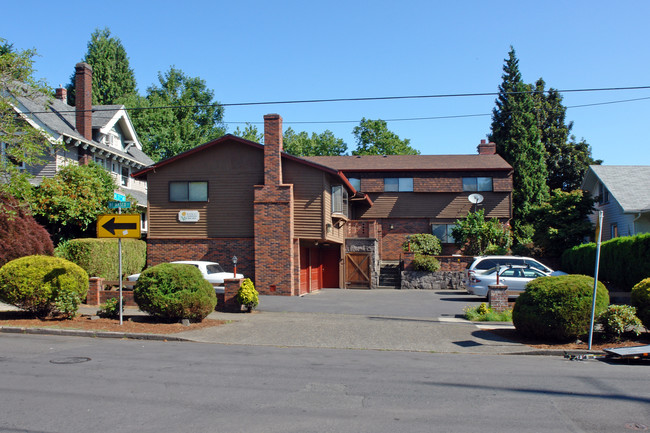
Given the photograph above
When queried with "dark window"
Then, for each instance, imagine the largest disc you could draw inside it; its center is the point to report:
(188, 191)
(473, 184)
(398, 184)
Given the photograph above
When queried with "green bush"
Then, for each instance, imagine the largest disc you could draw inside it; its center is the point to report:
(558, 308)
(99, 257)
(43, 285)
(175, 291)
(623, 260)
(247, 295)
(619, 319)
(483, 313)
(641, 300)
(425, 263)
(110, 309)
(423, 243)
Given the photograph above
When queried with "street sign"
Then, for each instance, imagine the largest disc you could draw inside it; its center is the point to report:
(118, 196)
(119, 204)
(118, 226)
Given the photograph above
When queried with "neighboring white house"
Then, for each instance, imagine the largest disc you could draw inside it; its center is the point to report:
(622, 192)
(101, 133)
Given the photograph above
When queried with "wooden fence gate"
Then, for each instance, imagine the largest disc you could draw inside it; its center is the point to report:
(357, 270)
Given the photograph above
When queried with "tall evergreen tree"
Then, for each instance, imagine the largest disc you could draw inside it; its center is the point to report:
(516, 134)
(374, 138)
(566, 160)
(113, 78)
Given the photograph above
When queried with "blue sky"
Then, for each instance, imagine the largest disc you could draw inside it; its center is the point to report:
(250, 51)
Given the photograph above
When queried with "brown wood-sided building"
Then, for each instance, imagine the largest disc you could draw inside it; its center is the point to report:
(299, 224)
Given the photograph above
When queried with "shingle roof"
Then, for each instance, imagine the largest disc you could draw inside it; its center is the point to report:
(59, 118)
(412, 162)
(628, 184)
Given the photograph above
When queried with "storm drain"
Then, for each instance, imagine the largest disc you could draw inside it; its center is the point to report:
(70, 360)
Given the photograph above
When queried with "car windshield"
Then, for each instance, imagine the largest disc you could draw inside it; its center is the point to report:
(214, 268)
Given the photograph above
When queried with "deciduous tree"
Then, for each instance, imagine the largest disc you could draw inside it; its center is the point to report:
(323, 144)
(178, 114)
(374, 138)
(476, 236)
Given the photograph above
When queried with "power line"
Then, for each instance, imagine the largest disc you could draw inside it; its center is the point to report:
(377, 98)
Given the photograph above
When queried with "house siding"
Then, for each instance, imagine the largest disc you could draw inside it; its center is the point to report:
(231, 172)
(308, 191)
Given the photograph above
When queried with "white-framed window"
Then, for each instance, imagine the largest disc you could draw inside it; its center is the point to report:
(188, 191)
(356, 183)
(339, 200)
(474, 184)
(603, 194)
(125, 176)
(6, 157)
(398, 184)
(443, 232)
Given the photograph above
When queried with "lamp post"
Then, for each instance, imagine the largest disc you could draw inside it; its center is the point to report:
(234, 263)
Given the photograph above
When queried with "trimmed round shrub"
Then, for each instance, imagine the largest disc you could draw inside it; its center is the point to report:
(43, 285)
(558, 308)
(175, 291)
(641, 300)
(247, 295)
(425, 263)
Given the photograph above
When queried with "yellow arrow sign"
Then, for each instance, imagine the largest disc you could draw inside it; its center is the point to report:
(118, 226)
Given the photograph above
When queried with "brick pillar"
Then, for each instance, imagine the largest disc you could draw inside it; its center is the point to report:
(231, 286)
(95, 286)
(498, 296)
(408, 260)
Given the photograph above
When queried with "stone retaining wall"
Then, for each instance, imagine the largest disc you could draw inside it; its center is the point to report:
(441, 280)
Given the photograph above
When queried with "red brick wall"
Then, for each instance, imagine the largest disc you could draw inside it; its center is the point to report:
(274, 240)
(219, 250)
(393, 238)
(83, 98)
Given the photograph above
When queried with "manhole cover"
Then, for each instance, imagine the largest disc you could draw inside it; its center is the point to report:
(70, 360)
(636, 427)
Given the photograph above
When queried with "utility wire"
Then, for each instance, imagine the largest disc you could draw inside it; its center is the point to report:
(378, 98)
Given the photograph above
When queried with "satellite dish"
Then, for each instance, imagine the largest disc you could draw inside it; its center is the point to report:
(475, 198)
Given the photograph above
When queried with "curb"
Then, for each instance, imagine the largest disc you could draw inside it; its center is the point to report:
(91, 334)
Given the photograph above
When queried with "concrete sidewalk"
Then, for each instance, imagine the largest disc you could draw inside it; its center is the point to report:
(412, 320)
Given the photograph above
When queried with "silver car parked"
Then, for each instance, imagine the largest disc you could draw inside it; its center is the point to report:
(515, 277)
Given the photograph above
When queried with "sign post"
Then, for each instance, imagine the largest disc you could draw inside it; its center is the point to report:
(119, 226)
(599, 231)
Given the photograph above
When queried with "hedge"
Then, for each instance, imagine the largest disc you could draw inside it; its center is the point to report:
(99, 257)
(623, 260)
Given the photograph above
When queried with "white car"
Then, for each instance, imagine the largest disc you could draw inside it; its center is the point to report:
(212, 271)
(515, 277)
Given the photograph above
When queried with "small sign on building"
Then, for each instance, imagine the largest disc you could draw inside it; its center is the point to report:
(188, 216)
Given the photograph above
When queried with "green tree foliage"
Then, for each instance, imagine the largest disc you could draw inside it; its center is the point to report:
(566, 160)
(422, 243)
(23, 145)
(476, 236)
(20, 234)
(516, 134)
(68, 203)
(113, 78)
(641, 300)
(323, 144)
(562, 222)
(177, 115)
(250, 132)
(374, 138)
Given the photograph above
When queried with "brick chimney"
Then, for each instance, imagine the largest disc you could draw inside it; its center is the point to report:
(486, 148)
(62, 94)
(83, 98)
(272, 149)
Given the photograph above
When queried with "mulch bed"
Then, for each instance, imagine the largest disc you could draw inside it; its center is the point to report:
(598, 342)
(139, 324)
